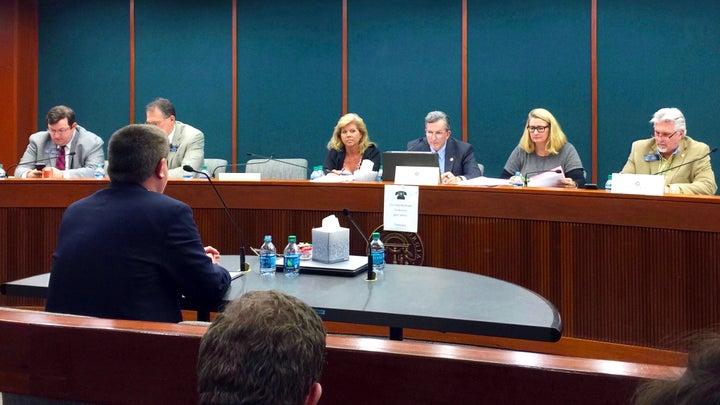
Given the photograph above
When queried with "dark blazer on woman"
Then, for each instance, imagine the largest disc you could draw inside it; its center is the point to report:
(335, 158)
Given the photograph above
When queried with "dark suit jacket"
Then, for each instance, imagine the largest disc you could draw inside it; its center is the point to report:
(335, 158)
(128, 253)
(459, 156)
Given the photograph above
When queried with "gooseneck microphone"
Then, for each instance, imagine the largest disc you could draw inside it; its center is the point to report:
(687, 163)
(370, 271)
(272, 157)
(37, 160)
(230, 165)
(526, 178)
(189, 168)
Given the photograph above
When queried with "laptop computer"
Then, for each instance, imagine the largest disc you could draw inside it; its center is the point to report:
(391, 160)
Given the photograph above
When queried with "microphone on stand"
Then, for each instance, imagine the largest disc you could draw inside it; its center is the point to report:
(37, 160)
(230, 165)
(272, 157)
(687, 163)
(243, 267)
(370, 271)
(526, 178)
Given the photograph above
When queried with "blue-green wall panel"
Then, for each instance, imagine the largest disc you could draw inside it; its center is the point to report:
(654, 54)
(184, 53)
(83, 57)
(524, 54)
(404, 61)
(289, 77)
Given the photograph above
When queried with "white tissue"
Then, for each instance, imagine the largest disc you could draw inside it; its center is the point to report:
(330, 223)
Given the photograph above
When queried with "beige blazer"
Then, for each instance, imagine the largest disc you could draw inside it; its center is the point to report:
(187, 148)
(692, 178)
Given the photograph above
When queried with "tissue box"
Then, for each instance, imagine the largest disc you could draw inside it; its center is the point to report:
(331, 246)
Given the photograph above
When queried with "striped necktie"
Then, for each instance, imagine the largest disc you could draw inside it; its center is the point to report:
(60, 162)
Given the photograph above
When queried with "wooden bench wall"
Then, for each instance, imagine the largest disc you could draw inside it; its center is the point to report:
(111, 361)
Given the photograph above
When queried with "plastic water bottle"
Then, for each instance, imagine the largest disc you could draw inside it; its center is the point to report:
(268, 254)
(379, 173)
(188, 175)
(3, 175)
(377, 250)
(99, 173)
(291, 258)
(608, 183)
(517, 180)
(205, 170)
(316, 173)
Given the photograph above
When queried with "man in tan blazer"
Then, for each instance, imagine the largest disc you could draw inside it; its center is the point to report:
(670, 148)
(187, 143)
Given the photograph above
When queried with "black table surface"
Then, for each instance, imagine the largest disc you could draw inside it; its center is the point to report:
(402, 297)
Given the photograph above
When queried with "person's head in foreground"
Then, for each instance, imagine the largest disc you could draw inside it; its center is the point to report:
(266, 347)
(699, 385)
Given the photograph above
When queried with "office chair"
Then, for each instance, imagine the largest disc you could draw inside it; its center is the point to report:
(215, 166)
(279, 169)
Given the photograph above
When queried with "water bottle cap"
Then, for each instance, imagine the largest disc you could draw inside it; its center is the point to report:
(609, 176)
(292, 239)
(376, 235)
(268, 238)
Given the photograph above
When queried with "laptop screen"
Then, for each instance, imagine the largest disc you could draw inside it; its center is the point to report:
(393, 159)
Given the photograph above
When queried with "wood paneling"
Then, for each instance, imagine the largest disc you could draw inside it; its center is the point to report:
(115, 361)
(18, 76)
(636, 270)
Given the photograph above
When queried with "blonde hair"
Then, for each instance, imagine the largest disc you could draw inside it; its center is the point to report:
(555, 140)
(350, 118)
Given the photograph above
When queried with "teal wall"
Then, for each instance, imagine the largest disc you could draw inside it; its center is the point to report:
(404, 59)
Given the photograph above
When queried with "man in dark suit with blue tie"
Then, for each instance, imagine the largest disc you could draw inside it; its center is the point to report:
(457, 158)
(128, 251)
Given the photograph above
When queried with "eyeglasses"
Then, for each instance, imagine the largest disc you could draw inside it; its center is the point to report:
(662, 135)
(438, 134)
(58, 131)
(539, 130)
(156, 123)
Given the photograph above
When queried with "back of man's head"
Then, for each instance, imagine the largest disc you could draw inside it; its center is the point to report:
(266, 347)
(134, 152)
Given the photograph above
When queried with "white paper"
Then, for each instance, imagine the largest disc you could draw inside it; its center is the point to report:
(547, 179)
(646, 184)
(417, 175)
(485, 182)
(401, 208)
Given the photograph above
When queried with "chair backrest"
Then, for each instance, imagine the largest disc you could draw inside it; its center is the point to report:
(279, 169)
(212, 164)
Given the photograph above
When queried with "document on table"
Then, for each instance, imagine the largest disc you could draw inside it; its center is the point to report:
(483, 181)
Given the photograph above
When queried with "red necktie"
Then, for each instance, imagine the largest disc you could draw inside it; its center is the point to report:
(60, 162)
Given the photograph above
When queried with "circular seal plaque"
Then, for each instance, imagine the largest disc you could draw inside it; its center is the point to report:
(402, 247)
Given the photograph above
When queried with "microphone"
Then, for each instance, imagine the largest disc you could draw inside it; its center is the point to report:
(272, 157)
(370, 271)
(189, 168)
(687, 163)
(230, 165)
(527, 175)
(37, 160)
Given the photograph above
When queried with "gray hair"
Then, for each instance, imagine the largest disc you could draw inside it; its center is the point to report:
(670, 114)
(435, 116)
(134, 152)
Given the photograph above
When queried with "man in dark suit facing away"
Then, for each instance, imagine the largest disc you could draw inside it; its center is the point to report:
(128, 251)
